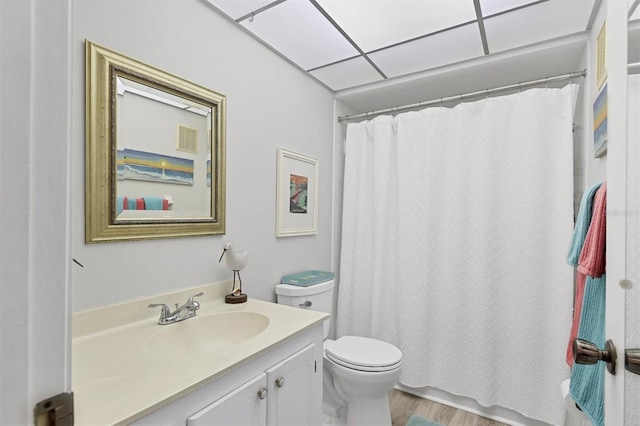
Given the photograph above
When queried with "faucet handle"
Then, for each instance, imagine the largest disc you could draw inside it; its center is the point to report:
(165, 311)
(193, 302)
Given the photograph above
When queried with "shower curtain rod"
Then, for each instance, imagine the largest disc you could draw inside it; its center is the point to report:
(462, 97)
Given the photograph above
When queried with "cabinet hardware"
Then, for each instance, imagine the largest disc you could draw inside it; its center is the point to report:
(262, 393)
(280, 382)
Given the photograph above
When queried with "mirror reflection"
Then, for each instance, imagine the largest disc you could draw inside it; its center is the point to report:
(163, 155)
(155, 157)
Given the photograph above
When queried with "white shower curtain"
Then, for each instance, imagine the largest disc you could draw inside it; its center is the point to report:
(455, 232)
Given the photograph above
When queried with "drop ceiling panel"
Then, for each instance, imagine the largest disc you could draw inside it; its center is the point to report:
(443, 48)
(299, 31)
(490, 7)
(353, 72)
(373, 24)
(537, 23)
(237, 9)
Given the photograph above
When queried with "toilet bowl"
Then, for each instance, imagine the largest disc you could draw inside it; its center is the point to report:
(358, 372)
(362, 372)
(573, 415)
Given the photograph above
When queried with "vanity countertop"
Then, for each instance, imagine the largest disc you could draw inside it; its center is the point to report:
(120, 374)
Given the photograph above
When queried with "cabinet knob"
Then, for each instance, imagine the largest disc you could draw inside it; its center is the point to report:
(280, 382)
(262, 393)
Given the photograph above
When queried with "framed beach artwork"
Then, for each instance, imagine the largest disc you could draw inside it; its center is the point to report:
(296, 194)
(148, 166)
(600, 124)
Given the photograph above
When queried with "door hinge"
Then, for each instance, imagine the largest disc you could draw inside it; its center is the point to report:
(55, 411)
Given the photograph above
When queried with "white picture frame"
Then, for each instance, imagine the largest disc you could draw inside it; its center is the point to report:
(296, 194)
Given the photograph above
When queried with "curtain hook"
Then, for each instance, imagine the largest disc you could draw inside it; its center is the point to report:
(486, 92)
(441, 103)
(253, 15)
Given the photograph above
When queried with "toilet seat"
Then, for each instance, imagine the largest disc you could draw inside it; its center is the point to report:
(364, 354)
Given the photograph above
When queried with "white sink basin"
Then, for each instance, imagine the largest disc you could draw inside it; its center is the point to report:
(209, 332)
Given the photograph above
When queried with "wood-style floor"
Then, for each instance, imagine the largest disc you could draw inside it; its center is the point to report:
(403, 405)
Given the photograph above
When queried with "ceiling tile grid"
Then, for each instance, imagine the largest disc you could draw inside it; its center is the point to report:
(299, 31)
(238, 8)
(491, 7)
(345, 74)
(374, 24)
(348, 43)
(430, 52)
(544, 21)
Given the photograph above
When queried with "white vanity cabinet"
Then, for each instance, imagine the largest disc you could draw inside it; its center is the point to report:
(282, 386)
(282, 396)
(291, 392)
(246, 405)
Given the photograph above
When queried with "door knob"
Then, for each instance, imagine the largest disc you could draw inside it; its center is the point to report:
(632, 360)
(587, 353)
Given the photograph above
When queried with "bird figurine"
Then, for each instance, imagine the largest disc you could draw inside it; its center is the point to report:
(235, 261)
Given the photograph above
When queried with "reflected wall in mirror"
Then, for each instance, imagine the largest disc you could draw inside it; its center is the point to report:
(155, 152)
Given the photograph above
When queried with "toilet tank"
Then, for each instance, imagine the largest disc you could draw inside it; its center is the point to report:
(316, 297)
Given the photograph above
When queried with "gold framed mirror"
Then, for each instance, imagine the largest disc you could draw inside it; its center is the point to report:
(155, 152)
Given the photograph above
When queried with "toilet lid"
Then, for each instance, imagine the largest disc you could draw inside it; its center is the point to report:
(363, 353)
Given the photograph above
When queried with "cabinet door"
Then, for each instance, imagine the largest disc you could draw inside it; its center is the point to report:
(295, 391)
(246, 405)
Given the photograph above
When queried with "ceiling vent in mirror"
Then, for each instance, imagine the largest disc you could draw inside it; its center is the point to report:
(187, 139)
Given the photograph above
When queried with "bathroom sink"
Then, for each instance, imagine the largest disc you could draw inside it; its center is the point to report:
(208, 333)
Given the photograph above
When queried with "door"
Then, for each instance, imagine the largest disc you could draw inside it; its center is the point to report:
(295, 391)
(246, 405)
(35, 257)
(618, 233)
(632, 311)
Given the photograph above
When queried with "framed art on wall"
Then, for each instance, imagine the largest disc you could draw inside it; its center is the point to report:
(600, 114)
(296, 194)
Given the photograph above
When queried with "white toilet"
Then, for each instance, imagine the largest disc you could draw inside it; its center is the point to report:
(573, 415)
(359, 372)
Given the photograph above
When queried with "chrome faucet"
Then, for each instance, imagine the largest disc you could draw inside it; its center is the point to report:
(186, 311)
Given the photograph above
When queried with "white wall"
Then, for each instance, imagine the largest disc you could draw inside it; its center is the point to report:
(270, 104)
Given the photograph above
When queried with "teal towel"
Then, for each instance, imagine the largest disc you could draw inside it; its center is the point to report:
(587, 381)
(421, 421)
(153, 203)
(119, 206)
(582, 224)
(307, 278)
